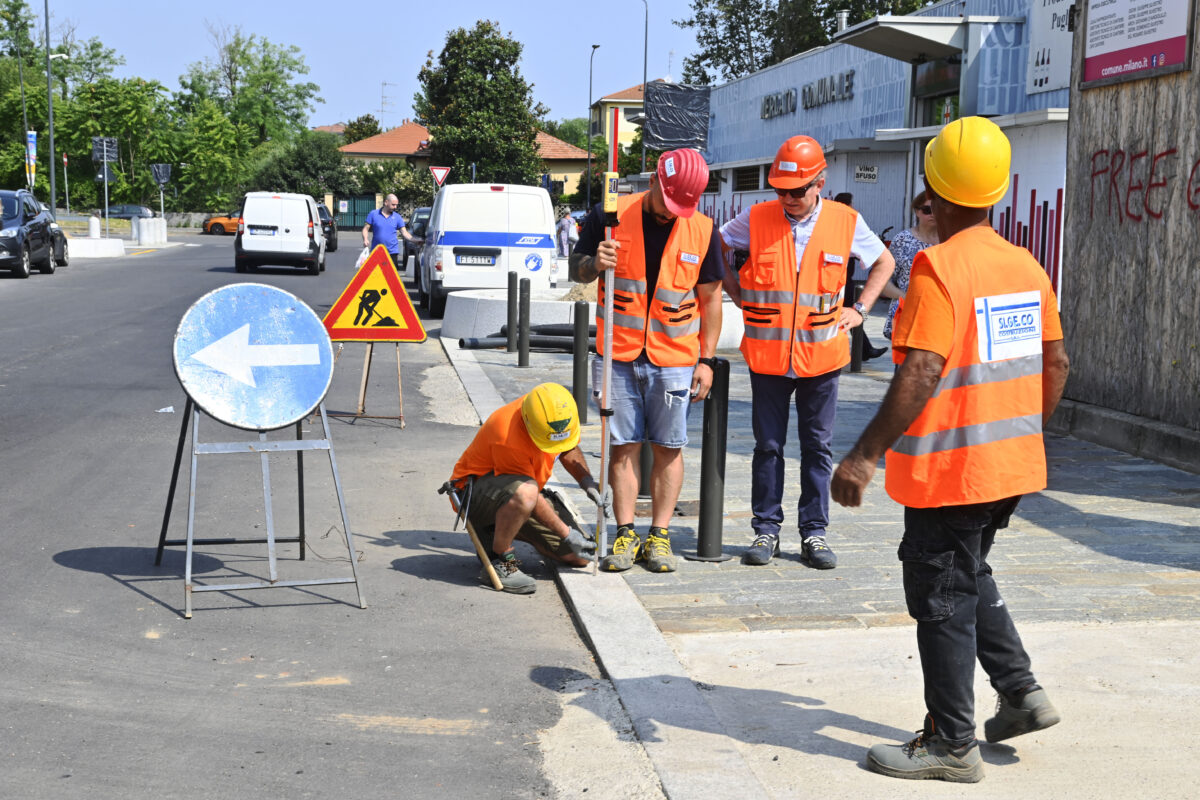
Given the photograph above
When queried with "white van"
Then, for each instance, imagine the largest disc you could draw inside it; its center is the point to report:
(477, 233)
(279, 228)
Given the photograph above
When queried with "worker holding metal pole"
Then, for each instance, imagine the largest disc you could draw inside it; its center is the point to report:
(661, 301)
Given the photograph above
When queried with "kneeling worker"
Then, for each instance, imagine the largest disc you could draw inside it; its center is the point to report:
(507, 464)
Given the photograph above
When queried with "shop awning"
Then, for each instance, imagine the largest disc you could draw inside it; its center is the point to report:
(908, 38)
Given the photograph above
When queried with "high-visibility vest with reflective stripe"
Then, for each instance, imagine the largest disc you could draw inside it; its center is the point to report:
(667, 325)
(790, 317)
(979, 438)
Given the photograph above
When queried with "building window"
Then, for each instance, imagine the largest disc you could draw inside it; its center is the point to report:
(747, 179)
(714, 183)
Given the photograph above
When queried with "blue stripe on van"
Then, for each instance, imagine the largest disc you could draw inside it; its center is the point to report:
(495, 239)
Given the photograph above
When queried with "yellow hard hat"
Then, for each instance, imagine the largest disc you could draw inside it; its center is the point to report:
(968, 162)
(551, 418)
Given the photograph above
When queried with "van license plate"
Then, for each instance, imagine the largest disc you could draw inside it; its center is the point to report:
(262, 231)
(480, 261)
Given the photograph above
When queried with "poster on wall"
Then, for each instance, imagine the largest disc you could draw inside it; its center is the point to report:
(1126, 40)
(1049, 64)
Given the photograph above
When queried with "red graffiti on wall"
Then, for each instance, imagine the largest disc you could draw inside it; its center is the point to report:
(1132, 183)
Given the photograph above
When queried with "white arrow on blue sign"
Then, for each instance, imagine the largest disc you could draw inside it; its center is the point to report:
(253, 356)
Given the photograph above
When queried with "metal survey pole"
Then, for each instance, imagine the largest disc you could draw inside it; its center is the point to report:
(579, 359)
(610, 219)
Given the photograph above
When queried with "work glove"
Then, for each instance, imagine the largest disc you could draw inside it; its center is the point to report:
(577, 544)
(601, 500)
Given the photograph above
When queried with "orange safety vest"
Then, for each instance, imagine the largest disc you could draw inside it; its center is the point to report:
(668, 326)
(979, 438)
(791, 316)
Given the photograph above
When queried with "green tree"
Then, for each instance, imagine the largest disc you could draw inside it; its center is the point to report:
(208, 164)
(312, 165)
(733, 39)
(630, 160)
(17, 22)
(364, 127)
(572, 131)
(255, 82)
(413, 187)
(478, 107)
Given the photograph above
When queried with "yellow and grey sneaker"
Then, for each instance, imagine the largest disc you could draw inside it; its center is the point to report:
(625, 550)
(657, 552)
(508, 570)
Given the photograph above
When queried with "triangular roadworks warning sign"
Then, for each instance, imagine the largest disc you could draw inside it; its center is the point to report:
(374, 307)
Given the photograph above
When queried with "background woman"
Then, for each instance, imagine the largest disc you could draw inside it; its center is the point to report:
(905, 246)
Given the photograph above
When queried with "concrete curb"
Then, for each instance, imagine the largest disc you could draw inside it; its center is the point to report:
(688, 746)
(1158, 441)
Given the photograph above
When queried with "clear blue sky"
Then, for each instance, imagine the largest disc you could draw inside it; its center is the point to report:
(351, 52)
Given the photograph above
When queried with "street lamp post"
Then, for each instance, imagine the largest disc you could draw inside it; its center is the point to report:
(50, 115)
(591, 60)
(645, 106)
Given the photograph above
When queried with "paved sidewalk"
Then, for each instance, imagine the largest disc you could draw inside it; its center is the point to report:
(772, 681)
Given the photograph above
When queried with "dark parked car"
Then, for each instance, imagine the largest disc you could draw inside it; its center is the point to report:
(127, 212)
(328, 227)
(58, 239)
(416, 227)
(25, 235)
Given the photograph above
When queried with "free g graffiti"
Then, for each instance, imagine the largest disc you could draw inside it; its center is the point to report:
(1139, 186)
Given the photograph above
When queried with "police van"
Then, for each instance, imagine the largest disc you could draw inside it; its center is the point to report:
(479, 232)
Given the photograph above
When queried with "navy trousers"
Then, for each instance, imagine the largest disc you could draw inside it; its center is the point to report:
(816, 408)
(960, 615)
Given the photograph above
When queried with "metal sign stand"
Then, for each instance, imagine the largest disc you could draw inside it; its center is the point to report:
(362, 387)
(263, 447)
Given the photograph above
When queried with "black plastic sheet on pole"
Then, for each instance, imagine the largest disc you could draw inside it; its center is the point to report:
(676, 116)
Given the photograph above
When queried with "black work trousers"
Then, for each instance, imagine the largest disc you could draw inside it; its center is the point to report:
(960, 615)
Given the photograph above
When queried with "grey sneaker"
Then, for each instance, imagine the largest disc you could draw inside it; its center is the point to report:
(508, 569)
(1030, 712)
(657, 551)
(764, 548)
(817, 554)
(927, 757)
(626, 548)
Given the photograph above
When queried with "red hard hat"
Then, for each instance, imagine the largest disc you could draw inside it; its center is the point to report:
(682, 174)
(799, 160)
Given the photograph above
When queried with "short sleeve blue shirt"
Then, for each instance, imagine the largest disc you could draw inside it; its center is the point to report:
(385, 230)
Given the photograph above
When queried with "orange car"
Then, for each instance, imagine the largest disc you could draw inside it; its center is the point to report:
(221, 223)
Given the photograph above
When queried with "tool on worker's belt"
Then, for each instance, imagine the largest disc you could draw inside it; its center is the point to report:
(460, 501)
(610, 222)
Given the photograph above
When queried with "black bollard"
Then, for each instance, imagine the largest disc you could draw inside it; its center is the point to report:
(579, 376)
(512, 312)
(856, 334)
(523, 326)
(712, 468)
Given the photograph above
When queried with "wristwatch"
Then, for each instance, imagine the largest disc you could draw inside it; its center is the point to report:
(709, 362)
(861, 309)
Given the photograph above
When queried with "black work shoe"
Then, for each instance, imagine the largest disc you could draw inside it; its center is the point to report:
(625, 550)
(817, 554)
(656, 554)
(927, 757)
(508, 570)
(1030, 712)
(764, 548)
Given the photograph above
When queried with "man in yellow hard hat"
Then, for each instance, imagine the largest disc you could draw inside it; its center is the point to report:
(503, 471)
(982, 367)
(792, 292)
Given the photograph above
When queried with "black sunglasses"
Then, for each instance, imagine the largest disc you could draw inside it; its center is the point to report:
(926, 209)
(796, 193)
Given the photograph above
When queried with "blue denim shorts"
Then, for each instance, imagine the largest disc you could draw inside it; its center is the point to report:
(650, 402)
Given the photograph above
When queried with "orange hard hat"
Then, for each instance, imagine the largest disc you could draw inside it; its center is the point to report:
(799, 161)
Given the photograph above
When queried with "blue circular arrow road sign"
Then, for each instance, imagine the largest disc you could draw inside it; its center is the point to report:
(253, 356)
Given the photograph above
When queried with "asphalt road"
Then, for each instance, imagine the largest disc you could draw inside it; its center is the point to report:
(440, 688)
